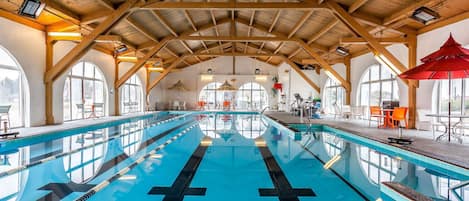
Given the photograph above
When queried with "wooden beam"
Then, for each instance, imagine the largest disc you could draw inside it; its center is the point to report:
(142, 61)
(232, 5)
(191, 22)
(271, 28)
(116, 89)
(362, 41)
(346, 18)
(237, 54)
(444, 22)
(49, 86)
(302, 74)
(402, 13)
(21, 20)
(164, 74)
(316, 36)
(356, 5)
(62, 12)
(79, 50)
(95, 16)
(234, 38)
(107, 3)
(296, 27)
(99, 39)
(413, 84)
(348, 78)
(325, 65)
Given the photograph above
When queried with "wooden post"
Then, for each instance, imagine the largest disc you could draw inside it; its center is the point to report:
(49, 85)
(116, 88)
(348, 92)
(413, 84)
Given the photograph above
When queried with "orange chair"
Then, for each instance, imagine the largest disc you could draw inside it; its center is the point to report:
(399, 114)
(375, 111)
(226, 105)
(201, 105)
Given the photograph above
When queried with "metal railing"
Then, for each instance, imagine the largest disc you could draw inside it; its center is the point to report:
(453, 189)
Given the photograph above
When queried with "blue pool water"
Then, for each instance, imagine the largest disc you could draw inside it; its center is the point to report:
(212, 157)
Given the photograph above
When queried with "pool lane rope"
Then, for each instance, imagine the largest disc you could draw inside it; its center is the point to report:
(29, 165)
(124, 171)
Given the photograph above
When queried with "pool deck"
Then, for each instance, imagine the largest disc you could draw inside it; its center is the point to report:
(453, 153)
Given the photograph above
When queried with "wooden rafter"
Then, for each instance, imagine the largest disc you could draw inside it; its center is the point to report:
(271, 27)
(142, 61)
(356, 5)
(362, 41)
(251, 21)
(194, 27)
(346, 18)
(80, 49)
(296, 27)
(21, 20)
(168, 27)
(164, 74)
(163, 5)
(302, 74)
(404, 12)
(316, 36)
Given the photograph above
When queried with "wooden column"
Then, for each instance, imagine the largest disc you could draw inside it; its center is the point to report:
(413, 84)
(348, 92)
(116, 88)
(49, 85)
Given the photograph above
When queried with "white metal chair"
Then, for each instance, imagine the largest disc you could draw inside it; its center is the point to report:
(358, 112)
(182, 105)
(346, 111)
(4, 114)
(337, 111)
(176, 105)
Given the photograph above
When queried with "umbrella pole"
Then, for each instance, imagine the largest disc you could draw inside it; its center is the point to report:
(449, 108)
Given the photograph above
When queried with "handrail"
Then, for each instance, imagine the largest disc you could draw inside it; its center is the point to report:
(263, 110)
(452, 189)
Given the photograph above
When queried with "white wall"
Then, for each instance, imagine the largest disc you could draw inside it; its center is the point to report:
(28, 47)
(222, 70)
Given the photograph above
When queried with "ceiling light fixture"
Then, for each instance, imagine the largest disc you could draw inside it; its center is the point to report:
(31, 8)
(342, 51)
(128, 58)
(120, 49)
(64, 34)
(424, 15)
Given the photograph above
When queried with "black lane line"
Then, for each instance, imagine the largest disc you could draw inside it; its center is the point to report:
(180, 186)
(61, 190)
(283, 189)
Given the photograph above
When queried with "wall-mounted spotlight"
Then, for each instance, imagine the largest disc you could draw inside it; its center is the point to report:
(121, 48)
(257, 71)
(31, 8)
(424, 15)
(342, 51)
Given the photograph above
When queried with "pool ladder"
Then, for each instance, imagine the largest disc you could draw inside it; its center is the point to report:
(461, 185)
(263, 110)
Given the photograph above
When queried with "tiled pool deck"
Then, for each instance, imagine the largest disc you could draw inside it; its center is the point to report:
(453, 153)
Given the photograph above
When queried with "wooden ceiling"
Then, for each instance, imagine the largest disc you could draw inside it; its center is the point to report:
(246, 27)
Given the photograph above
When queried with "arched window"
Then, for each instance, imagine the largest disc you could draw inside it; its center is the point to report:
(84, 92)
(376, 166)
(132, 96)
(251, 96)
(333, 144)
(334, 93)
(250, 126)
(211, 95)
(83, 165)
(11, 88)
(378, 84)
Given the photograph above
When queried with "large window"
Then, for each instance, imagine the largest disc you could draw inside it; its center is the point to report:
(334, 93)
(378, 84)
(84, 92)
(377, 167)
(211, 95)
(251, 96)
(11, 88)
(132, 96)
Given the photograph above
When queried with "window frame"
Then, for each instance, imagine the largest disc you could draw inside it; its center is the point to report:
(380, 81)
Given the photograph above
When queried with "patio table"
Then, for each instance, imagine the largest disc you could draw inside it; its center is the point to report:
(387, 118)
(448, 126)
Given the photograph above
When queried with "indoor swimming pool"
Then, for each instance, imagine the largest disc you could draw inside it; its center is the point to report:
(213, 156)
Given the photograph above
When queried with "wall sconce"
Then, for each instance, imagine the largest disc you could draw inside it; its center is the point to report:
(257, 71)
(209, 71)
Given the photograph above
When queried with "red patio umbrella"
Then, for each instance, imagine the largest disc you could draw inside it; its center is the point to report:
(451, 61)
